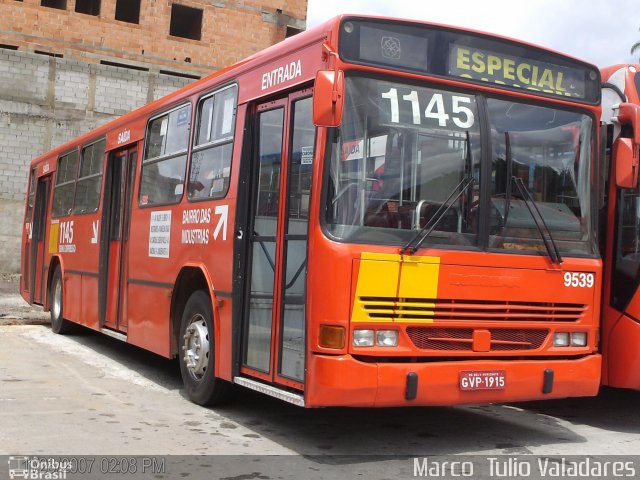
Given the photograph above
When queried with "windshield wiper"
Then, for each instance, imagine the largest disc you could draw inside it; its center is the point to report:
(414, 244)
(545, 233)
(507, 190)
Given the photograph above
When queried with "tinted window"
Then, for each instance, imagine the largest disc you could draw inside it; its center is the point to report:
(301, 164)
(165, 158)
(627, 248)
(407, 159)
(65, 184)
(295, 272)
(544, 153)
(31, 195)
(90, 179)
(404, 155)
(211, 156)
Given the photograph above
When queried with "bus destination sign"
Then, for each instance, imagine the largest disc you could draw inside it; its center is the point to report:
(518, 72)
(467, 56)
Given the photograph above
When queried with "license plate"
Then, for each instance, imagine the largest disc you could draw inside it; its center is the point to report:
(483, 380)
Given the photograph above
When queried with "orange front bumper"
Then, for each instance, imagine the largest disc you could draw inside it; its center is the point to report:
(344, 381)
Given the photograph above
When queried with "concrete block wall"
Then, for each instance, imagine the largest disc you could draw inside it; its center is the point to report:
(119, 88)
(165, 84)
(11, 216)
(46, 101)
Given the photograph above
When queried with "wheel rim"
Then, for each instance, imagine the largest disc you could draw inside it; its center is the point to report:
(57, 300)
(196, 347)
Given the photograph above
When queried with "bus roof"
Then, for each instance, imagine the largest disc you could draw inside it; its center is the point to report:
(622, 73)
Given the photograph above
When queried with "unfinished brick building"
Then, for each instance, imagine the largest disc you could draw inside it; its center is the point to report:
(67, 66)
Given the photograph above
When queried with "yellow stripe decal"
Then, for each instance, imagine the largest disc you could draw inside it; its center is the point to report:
(54, 232)
(383, 278)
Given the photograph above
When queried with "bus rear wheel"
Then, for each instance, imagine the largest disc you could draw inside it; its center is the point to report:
(197, 353)
(58, 323)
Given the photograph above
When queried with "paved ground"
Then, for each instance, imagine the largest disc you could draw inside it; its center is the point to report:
(90, 394)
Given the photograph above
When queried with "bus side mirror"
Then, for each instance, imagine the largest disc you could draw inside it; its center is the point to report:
(328, 98)
(626, 155)
(629, 113)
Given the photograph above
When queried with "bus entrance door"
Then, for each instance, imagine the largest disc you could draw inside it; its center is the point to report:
(37, 280)
(274, 339)
(114, 238)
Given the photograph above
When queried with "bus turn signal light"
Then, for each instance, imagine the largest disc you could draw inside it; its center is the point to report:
(332, 336)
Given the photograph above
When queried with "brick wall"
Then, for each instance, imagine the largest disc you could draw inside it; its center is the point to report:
(231, 30)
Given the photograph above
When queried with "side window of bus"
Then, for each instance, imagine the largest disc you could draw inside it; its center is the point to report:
(627, 250)
(31, 195)
(90, 178)
(65, 184)
(301, 163)
(165, 157)
(213, 146)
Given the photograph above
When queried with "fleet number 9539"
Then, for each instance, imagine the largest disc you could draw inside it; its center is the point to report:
(578, 280)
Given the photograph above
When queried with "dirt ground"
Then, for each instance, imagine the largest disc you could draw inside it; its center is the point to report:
(9, 282)
(13, 309)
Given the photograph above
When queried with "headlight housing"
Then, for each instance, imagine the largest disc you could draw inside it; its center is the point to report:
(570, 339)
(380, 338)
(387, 338)
(363, 338)
(579, 339)
(561, 339)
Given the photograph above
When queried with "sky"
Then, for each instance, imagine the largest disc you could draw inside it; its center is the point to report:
(599, 31)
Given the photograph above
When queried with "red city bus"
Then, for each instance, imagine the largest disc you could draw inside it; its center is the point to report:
(374, 212)
(620, 219)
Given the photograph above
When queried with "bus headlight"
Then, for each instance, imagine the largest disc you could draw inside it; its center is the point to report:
(363, 338)
(579, 339)
(387, 338)
(570, 339)
(561, 339)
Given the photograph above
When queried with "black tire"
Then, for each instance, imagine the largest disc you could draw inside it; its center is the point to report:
(56, 306)
(197, 363)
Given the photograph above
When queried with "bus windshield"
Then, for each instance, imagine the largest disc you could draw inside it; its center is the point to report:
(404, 150)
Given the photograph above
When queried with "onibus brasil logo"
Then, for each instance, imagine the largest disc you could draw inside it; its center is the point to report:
(37, 468)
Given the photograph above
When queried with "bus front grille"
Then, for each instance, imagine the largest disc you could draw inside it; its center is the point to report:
(463, 339)
(421, 309)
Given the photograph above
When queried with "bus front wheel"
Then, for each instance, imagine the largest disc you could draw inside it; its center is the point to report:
(58, 323)
(197, 352)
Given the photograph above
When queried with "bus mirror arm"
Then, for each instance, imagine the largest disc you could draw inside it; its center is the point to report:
(626, 153)
(328, 92)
